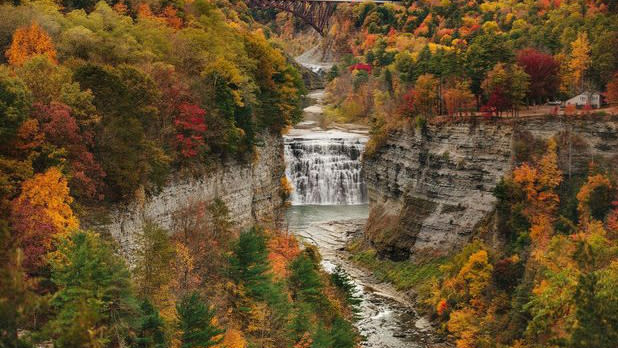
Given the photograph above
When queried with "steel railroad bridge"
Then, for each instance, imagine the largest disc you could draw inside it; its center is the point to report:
(316, 13)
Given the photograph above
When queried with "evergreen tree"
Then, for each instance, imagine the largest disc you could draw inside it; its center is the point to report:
(94, 302)
(249, 263)
(322, 338)
(343, 334)
(342, 280)
(150, 332)
(305, 280)
(15, 296)
(196, 322)
(333, 73)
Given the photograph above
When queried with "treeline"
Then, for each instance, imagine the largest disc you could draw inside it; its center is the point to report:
(427, 58)
(117, 97)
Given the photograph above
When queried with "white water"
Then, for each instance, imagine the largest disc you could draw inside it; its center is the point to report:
(324, 167)
(329, 205)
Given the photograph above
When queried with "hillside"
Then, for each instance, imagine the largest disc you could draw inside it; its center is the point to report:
(158, 125)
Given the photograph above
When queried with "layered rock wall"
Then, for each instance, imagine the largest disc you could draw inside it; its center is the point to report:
(429, 190)
(251, 192)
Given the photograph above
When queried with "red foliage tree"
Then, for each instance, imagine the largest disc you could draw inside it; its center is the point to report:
(498, 102)
(543, 70)
(61, 131)
(408, 105)
(40, 213)
(190, 127)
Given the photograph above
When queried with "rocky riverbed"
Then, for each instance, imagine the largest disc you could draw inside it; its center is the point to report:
(387, 316)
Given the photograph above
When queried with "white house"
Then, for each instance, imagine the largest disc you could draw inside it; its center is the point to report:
(586, 98)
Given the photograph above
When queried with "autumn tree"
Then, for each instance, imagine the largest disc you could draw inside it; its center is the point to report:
(41, 213)
(65, 143)
(190, 128)
(595, 198)
(458, 99)
(539, 184)
(579, 61)
(505, 87)
(543, 71)
(426, 93)
(28, 42)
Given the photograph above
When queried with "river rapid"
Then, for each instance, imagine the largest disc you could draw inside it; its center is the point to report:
(329, 206)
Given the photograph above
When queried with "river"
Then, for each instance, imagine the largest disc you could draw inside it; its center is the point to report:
(329, 206)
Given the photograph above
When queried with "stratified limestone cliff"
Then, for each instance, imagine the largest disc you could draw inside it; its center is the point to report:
(429, 190)
(251, 192)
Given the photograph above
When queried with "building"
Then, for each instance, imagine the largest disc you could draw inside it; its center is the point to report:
(586, 98)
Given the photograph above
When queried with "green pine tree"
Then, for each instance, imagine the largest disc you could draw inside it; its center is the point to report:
(322, 338)
(305, 280)
(196, 322)
(249, 264)
(150, 333)
(94, 303)
(343, 334)
(16, 297)
(342, 280)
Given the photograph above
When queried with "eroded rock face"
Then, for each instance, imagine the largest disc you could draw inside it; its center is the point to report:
(429, 190)
(251, 192)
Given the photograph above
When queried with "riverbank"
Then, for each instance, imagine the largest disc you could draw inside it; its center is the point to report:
(388, 318)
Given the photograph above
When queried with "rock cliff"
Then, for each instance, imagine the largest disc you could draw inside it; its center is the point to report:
(428, 190)
(251, 191)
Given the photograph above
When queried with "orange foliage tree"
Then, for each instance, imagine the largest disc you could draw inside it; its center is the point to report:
(594, 182)
(40, 213)
(28, 42)
(282, 250)
(539, 183)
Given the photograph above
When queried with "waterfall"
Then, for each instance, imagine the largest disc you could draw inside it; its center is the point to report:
(324, 167)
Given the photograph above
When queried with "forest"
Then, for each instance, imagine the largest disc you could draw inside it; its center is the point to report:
(102, 102)
(459, 58)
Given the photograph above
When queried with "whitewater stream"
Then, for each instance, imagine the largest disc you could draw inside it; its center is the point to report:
(329, 206)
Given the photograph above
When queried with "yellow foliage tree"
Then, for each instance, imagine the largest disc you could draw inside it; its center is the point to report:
(50, 192)
(476, 273)
(580, 59)
(28, 42)
(233, 338)
(464, 325)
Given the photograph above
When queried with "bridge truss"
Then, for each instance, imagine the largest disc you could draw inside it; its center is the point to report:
(314, 13)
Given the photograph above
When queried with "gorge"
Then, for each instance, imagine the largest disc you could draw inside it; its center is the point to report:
(429, 190)
(328, 208)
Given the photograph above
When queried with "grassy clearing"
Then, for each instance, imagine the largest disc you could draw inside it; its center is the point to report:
(403, 275)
